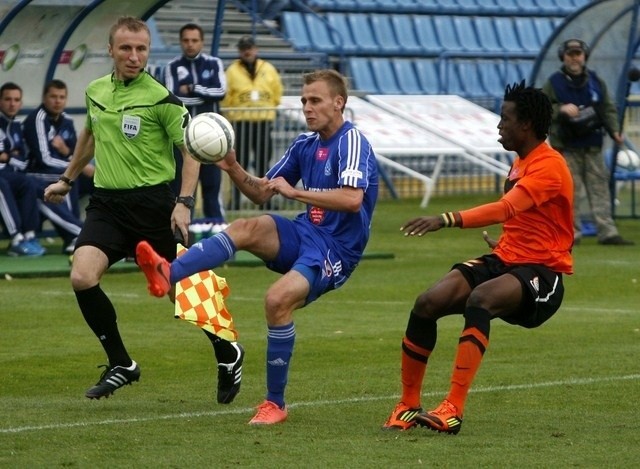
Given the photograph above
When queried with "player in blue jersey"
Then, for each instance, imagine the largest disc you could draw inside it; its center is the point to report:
(318, 250)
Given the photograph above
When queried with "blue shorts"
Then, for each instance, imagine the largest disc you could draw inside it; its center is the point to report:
(318, 257)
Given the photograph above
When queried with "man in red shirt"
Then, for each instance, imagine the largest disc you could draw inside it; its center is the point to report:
(520, 282)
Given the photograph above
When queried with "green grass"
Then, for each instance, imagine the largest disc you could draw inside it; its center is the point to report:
(563, 395)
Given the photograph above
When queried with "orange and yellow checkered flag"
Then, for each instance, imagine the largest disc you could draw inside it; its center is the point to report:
(200, 300)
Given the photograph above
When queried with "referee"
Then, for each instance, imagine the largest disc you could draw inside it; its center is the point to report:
(132, 124)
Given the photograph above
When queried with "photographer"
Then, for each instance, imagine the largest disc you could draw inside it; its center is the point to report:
(582, 112)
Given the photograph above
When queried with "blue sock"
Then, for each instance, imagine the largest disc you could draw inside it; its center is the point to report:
(280, 340)
(204, 255)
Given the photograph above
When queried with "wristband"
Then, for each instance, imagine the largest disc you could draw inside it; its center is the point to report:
(66, 180)
(449, 219)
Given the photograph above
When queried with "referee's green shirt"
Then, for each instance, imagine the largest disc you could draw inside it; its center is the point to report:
(135, 125)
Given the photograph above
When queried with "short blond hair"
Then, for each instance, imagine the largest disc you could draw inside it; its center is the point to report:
(336, 82)
(129, 23)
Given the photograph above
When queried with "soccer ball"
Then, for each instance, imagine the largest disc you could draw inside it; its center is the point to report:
(628, 160)
(208, 137)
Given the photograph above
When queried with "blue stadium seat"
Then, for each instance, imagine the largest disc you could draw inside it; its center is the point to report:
(487, 34)
(463, 79)
(406, 75)
(507, 34)
(508, 6)
(319, 34)
(492, 76)
(342, 33)
(294, 28)
(428, 74)
(385, 76)
(549, 7)
(362, 33)
(544, 28)
(466, 32)
(446, 32)
(395, 6)
(406, 34)
(517, 70)
(527, 33)
(384, 34)
(426, 34)
(362, 75)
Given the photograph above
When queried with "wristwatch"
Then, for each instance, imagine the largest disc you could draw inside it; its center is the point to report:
(186, 200)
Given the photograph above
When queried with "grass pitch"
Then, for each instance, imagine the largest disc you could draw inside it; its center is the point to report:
(562, 395)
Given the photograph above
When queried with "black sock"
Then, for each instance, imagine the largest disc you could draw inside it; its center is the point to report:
(100, 315)
(225, 352)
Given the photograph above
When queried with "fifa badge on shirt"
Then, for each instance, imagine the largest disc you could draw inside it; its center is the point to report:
(130, 125)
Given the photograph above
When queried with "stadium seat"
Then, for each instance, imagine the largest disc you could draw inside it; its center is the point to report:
(527, 34)
(550, 7)
(508, 6)
(384, 34)
(384, 76)
(428, 74)
(544, 28)
(518, 70)
(362, 75)
(463, 79)
(362, 33)
(487, 34)
(319, 34)
(406, 75)
(406, 34)
(426, 34)
(342, 33)
(507, 34)
(491, 75)
(466, 33)
(294, 28)
(446, 31)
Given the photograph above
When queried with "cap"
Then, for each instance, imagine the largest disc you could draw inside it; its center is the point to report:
(574, 45)
(246, 42)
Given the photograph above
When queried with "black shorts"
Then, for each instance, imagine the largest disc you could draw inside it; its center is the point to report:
(542, 288)
(117, 220)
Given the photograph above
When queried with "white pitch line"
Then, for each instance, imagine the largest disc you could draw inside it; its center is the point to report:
(246, 410)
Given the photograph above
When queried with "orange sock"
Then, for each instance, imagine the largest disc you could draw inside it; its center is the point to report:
(414, 365)
(471, 348)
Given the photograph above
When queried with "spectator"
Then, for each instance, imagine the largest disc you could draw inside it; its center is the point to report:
(318, 250)
(51, 138)
(582, 112)
(199, 80)
(18, 192)
(132, 124)
(254, 91)
(520, 282)
(268, 10)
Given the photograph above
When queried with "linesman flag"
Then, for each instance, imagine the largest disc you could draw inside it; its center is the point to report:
(200, 300)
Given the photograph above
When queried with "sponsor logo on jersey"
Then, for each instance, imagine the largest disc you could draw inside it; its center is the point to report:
(322, 154)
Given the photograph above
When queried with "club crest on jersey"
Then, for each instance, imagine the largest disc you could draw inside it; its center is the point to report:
(316, 215)
(130, 126)
(322, 154)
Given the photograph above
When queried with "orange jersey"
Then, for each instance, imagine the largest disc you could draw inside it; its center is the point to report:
(536, 211)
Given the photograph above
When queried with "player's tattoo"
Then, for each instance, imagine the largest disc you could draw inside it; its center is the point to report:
(251, 181)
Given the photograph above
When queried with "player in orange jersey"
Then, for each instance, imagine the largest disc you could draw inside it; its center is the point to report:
(520, 282)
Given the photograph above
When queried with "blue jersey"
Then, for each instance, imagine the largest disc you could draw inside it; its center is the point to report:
(45, 162)
(12, 142)
(345, 160)
(205, 73)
